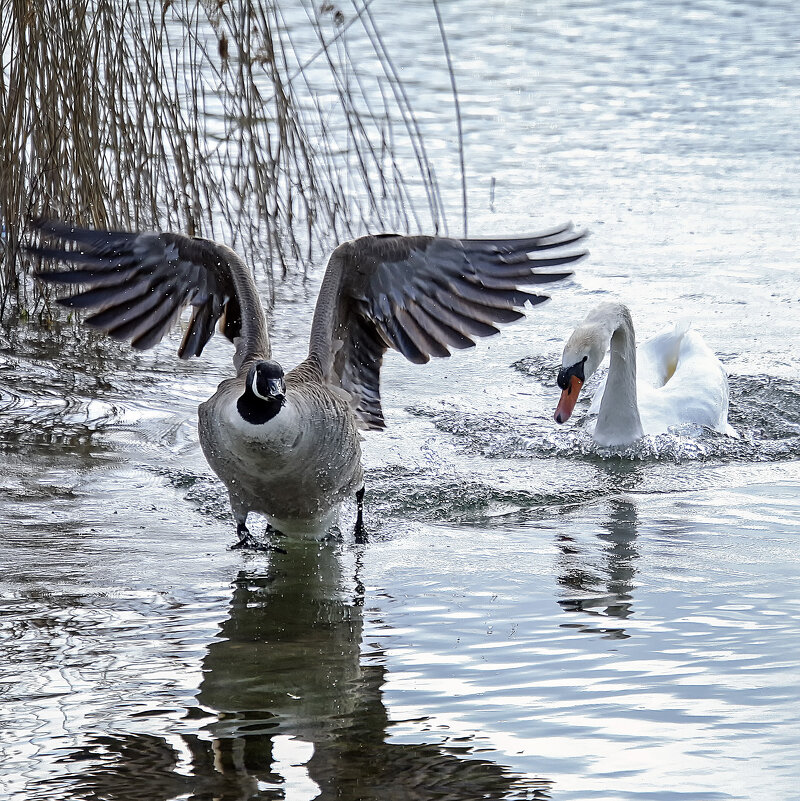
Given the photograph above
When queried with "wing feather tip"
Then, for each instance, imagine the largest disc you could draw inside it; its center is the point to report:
(536, 300)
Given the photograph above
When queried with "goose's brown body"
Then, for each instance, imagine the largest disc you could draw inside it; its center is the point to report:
(294, 468)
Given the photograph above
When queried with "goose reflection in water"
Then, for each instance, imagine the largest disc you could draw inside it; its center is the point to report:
(287, 709)
(288, 663)
(602, 588)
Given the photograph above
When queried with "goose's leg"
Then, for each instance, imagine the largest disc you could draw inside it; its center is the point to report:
(360, 531)
(245, 539)
(271, 531)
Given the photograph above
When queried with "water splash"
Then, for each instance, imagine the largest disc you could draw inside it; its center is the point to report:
(205, 492)
(543, 369)
(765, 410)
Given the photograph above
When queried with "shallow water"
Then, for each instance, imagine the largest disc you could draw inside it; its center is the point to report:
(532, 617)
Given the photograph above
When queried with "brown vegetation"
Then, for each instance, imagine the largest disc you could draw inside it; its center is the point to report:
(199, 116)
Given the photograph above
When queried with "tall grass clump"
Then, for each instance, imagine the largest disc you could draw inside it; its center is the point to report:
(231, 119)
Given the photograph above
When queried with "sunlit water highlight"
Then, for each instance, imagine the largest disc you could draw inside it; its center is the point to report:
(533, 616)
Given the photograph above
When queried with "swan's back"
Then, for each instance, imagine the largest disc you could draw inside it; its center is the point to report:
(657, 358)
(681, 380)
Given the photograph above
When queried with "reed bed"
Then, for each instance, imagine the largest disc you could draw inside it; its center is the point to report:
(206, 117)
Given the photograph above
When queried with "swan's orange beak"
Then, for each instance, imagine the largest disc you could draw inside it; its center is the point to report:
(569, 398)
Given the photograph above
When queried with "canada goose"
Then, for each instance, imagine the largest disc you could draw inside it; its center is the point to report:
(670, 379)
(286, 445)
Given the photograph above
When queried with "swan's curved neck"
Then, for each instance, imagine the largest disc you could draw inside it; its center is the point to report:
(618, 421)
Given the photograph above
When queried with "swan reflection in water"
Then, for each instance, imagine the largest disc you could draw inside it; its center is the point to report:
(602, 587)
(288, 710)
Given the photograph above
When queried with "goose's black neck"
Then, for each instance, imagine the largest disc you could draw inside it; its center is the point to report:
(255, 410)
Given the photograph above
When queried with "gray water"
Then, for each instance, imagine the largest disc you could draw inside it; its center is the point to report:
(531, 617)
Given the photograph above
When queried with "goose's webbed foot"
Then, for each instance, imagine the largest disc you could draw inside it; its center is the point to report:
(270, 531)
(248, 541)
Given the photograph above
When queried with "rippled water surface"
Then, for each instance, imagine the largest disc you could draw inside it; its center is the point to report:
(533, 617)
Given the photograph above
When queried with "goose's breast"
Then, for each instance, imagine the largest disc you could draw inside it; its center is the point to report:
(305, 459)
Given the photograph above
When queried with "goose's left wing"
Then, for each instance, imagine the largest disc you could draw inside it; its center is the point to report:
(423, 296)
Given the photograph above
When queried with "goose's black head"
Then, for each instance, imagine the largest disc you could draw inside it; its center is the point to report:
(264, 393)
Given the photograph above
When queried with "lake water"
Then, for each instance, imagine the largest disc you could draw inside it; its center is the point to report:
(531, 617)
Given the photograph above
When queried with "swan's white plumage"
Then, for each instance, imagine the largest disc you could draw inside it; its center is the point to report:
(679, 380)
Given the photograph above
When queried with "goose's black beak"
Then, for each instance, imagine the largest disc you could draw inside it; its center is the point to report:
(266, 381)
(277, 389)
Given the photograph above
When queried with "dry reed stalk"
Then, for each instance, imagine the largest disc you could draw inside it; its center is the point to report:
(199, 116)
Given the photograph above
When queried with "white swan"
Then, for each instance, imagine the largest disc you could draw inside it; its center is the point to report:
(671, 379)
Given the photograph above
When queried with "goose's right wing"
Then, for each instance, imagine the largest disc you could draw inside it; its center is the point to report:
(138, 284)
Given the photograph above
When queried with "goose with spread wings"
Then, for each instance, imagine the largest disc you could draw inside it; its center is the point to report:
(286, 444)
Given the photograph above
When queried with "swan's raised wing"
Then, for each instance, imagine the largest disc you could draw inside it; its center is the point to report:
(137, 284)
(423, 296)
